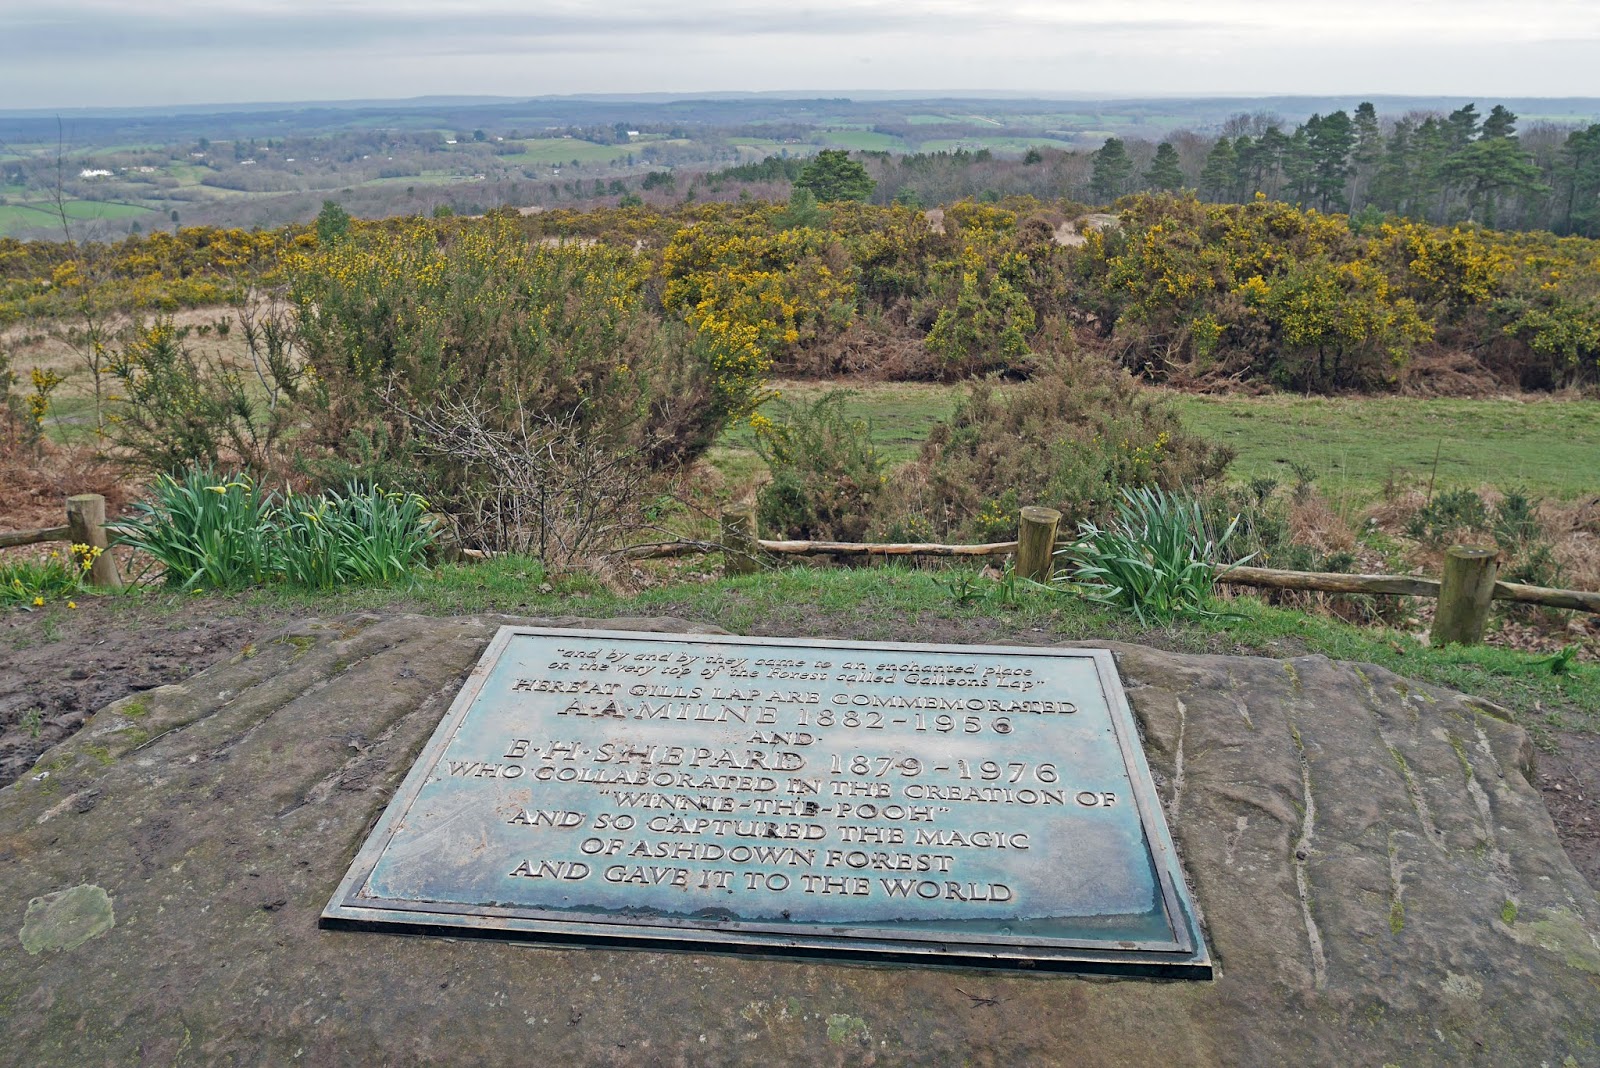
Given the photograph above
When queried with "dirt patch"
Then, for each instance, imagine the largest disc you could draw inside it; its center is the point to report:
(61, 665)
(1569, 778)
(34, 489)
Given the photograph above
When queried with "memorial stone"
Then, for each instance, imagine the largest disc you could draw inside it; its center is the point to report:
(966, 804)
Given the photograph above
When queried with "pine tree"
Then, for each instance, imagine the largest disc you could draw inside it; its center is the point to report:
(1580, 167)
(832, 175)
(1368, 154)
(1219, 177)
(1500, 123)
(1166, 172)
(1112, 169)
(1430, 147)
(1271, 159)
(1299, 175)
(1461, 128)
(1250, 172)
(1492, 165)
(1329, 141)
(1392, 184)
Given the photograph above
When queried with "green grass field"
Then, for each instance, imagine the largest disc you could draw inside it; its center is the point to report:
(1352, 445)
(861, 140)
(18, 217)
(1355, 444)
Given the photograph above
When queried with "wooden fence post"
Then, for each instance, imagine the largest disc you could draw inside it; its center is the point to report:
(1036, 543)
(739, 546)
(86, 519)
(1465, 590)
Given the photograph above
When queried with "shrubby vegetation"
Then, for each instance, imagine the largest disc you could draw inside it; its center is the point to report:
(826, 473)
(549, 379)
(1172, 288)
(1155, 557)
(1074, 437)
(54, 576)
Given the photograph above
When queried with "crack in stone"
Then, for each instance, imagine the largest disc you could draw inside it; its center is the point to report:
(1177, 762)
(1397, 886)
(1302, 851)
(1302, 848)
(1238, 702)
(1419, 803)
(1230, 843)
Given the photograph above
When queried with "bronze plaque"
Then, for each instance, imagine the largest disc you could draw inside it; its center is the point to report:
(974, 805)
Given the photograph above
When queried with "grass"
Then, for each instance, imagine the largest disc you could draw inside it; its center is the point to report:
(896, 603)
(15, 218)
(861, 140)
(901, 414)
(1355, 444)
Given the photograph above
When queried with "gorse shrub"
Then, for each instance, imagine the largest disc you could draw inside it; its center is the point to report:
(1074, 437)
(1155, 557)
(1449, 515)
(1515, 521)
(826, 473)
(181, 409)
(1174, 288)
(444, 356)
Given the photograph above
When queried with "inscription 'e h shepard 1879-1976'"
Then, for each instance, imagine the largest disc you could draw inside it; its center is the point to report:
(949, 804)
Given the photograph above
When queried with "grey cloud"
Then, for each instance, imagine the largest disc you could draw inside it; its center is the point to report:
(76, 52)
(86, 32)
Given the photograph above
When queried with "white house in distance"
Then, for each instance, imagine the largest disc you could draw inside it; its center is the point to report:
(94, 172)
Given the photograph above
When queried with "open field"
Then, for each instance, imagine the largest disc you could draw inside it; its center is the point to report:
(1354, 445)
(18, 217)
(1351, 445)
(862, 140)
(558, 150)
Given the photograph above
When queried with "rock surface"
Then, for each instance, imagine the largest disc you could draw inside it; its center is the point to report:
(1379, 882)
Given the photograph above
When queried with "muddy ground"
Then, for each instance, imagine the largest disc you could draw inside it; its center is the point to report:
(58, 666)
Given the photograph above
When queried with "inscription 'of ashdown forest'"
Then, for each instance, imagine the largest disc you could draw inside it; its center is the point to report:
(671, 779)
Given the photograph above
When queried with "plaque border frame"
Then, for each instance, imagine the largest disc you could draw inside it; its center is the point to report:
(1184, 957)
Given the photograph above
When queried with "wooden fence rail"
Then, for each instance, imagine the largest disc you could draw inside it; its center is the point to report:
(659, 550)
(85, 525)
(1464, 592)
(11, 538)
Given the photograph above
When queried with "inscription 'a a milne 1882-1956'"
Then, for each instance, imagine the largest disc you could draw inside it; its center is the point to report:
(971, 804)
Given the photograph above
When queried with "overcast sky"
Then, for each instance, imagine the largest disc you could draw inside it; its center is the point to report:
(70, 53)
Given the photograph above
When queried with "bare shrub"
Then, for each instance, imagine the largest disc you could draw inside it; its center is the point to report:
(537, 483)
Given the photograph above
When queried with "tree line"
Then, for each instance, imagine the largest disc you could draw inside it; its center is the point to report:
(1460, 167)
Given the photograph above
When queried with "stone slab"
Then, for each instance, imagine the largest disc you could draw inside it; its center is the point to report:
(1377, 880)
(980, 805)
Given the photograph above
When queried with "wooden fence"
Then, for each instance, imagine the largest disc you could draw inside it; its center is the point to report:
(1465, 590)
(85, 525)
